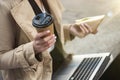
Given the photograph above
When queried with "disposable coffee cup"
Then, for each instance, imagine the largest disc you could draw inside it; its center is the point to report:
(43, 22)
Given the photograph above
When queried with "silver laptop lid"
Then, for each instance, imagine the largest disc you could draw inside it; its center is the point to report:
(83, 67)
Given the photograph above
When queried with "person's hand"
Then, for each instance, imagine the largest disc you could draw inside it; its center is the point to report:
(81, 30)
(43, 41)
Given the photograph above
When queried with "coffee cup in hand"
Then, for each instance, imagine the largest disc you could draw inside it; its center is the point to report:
(43, 22)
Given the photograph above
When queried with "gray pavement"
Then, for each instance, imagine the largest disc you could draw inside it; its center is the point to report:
(0, 76)
(107, 38)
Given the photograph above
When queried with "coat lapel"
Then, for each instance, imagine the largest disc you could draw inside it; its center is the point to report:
(56, 9)
(23, 15)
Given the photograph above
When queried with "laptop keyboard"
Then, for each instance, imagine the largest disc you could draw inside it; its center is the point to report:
(86, 68)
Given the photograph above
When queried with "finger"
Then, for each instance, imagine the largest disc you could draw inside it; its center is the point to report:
(88, 27)
(39, 42)
(82, 29)
(44, 49)
(46, 40)
(41, 49)
(42, 34)
(51, 41)
(85, 29)
(47, 45)
(49, 37)
(95, 32)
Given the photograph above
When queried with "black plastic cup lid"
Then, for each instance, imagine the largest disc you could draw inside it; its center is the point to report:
(42, 20)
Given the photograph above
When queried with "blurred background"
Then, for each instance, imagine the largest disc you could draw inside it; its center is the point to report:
(107, 39)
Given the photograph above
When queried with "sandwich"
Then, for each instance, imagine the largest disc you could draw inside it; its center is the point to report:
(93, 22)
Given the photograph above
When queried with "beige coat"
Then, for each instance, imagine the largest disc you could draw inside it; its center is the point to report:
(17, 61)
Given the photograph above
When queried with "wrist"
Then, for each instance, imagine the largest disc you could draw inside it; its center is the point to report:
(70, 31)
(70, 28)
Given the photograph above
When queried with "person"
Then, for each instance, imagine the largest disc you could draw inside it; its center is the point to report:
(23, 51)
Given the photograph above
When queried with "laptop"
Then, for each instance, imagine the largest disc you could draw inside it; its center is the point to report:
(83, 67)
(113, 71)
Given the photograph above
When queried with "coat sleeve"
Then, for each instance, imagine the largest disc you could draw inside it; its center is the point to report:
(21, 57)
(67, 35)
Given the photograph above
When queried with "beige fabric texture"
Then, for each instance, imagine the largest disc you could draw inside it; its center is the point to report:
(17, 59)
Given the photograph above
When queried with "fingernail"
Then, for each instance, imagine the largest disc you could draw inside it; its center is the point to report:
(48, 31)
(55, 37)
